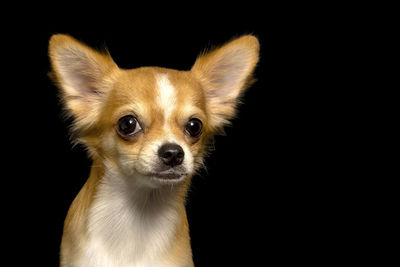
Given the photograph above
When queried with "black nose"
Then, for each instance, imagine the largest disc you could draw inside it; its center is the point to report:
(171, 154)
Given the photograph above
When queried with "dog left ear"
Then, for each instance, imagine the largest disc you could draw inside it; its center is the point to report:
(224, 74)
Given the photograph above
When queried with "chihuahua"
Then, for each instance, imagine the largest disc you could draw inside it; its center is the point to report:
(146, 131)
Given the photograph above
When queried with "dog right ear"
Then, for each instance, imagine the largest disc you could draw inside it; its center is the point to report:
(83, 75)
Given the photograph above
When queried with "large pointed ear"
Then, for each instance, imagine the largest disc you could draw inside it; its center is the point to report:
(83, 75)
(224, 74)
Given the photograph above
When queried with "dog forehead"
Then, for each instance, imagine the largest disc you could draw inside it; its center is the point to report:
(158, 88)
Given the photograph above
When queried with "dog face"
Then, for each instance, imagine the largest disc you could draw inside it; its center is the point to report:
(156, 124)
(150, 123)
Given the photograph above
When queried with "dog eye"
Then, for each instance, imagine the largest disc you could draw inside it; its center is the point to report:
(194, 127)
(128, 126)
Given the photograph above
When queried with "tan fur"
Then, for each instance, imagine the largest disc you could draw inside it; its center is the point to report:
(120, 199)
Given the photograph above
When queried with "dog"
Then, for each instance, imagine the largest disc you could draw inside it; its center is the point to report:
(146, 131)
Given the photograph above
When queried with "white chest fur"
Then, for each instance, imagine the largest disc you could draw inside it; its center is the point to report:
(129, 225)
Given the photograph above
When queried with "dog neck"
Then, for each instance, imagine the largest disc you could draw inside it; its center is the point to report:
(129, 221)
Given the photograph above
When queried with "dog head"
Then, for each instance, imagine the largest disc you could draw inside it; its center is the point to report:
(150, 122)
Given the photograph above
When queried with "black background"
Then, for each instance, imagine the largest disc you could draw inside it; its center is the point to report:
(275, 190)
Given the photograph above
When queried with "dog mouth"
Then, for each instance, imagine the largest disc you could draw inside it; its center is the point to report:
(160, 174)
(169, 175)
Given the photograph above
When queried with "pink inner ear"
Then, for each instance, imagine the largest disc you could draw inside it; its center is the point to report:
(80, 85)
(228, 74)
(79, 72)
